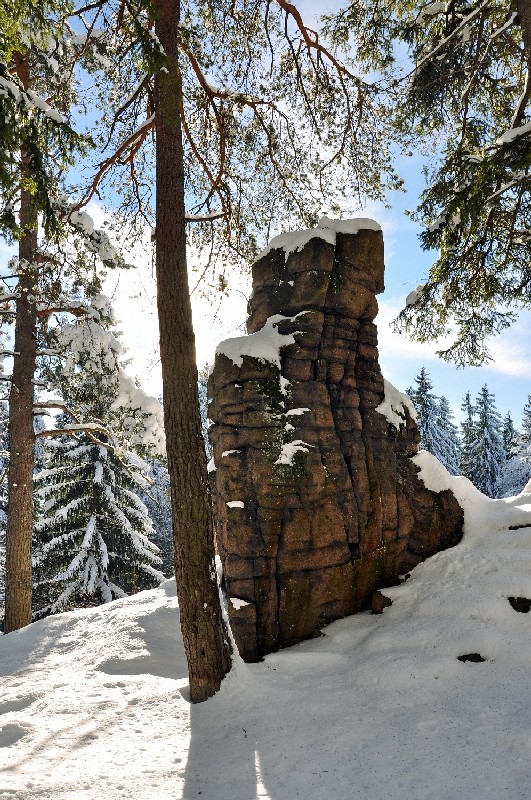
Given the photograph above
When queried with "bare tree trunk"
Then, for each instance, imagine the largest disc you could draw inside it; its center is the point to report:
(21, 436)
(204, 633)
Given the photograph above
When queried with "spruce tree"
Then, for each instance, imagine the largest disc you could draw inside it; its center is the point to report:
(156, 496)
(509, 434)
(38, 144)
(468, 436)
(426, 406)
(93, 541)
(449, 453)
(526, 421)
(516, 471)
(466, 84)
(487, 451)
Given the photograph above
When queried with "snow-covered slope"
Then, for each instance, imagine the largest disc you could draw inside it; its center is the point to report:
(93, 703)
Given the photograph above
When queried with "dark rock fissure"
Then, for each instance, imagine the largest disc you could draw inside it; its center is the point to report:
(332, 506)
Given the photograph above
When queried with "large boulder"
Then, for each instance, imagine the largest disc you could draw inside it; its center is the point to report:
(317, 502)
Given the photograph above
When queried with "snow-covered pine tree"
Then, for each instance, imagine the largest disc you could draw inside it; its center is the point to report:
(509, 434)
(158, 503)
(449, 453)
(202, 383)
(487, 451)
(526, 421)
(516, 471)
(468, 436)
(428, 413)
(93, 541)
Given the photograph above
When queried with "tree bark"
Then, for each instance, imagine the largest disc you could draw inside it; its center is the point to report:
(205, 636)
(21, 435)
(523, 8)
(524, 13)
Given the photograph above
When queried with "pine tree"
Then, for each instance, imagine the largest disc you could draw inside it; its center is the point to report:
(427, 411)
(526, 421)
(156, 497)
(94, 538)
(469, 86)
(468, 436)
(487, 451)
(240, 100)
(509, 434)
(449, 453)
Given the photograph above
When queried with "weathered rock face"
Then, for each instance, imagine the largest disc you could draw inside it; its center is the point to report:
(316, 498)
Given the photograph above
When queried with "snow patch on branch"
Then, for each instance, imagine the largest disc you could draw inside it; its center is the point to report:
(512, 134)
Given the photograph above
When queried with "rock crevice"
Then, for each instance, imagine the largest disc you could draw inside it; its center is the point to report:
(317, 502)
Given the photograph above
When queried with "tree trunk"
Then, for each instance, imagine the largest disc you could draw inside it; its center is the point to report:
(21, 436)
(204, 632)
(524, 13)
(523, 8)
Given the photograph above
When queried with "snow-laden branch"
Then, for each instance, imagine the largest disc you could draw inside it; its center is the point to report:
(442, 44)
(512, 134)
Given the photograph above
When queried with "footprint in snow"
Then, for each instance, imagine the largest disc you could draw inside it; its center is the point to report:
(12, 732)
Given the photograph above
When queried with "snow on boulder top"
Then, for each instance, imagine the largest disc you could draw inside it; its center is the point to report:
(326, 229)
(264, 345)
(351, 226)
(392, 406)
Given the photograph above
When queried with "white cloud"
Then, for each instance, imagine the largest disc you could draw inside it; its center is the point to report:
(511, 351)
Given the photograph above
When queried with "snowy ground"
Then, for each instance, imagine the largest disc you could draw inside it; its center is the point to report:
(93, 703)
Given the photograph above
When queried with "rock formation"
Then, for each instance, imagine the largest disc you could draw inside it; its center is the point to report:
(317, 501)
